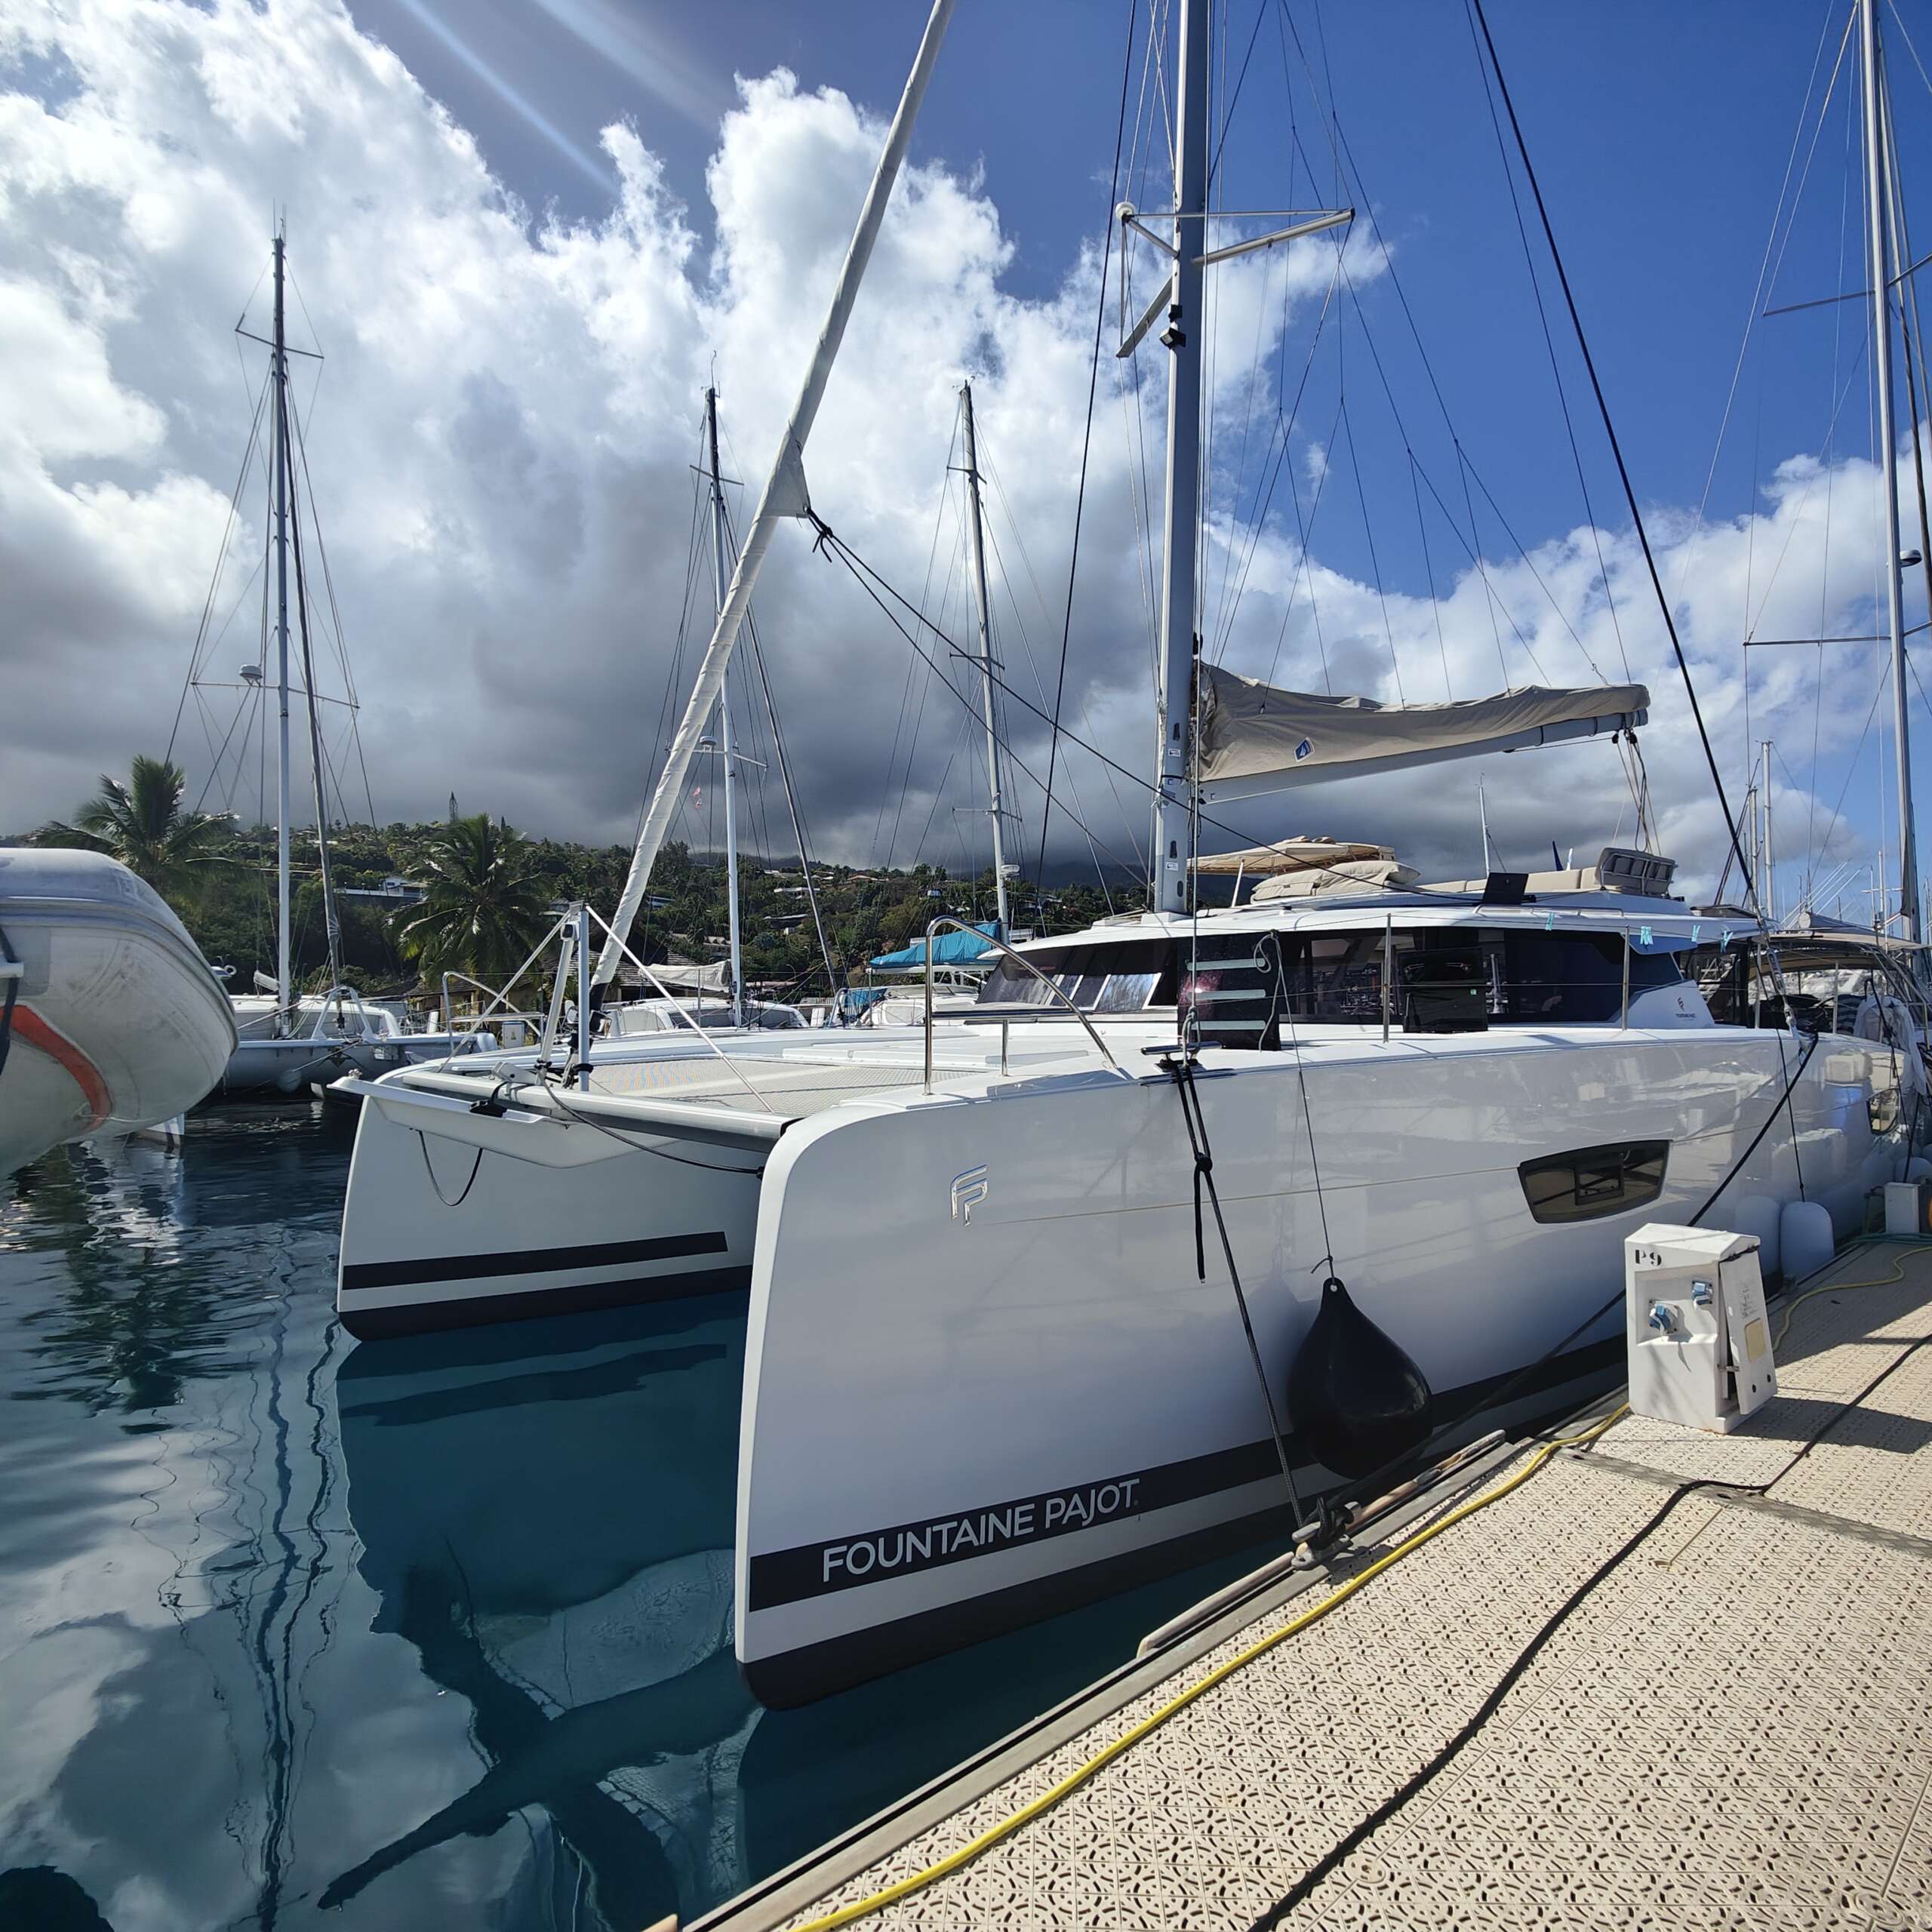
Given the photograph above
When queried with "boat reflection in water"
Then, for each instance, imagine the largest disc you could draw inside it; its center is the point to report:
(545, 1514)
(545, 1510)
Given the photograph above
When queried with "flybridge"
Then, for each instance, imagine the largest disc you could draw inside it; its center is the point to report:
(1253, 738)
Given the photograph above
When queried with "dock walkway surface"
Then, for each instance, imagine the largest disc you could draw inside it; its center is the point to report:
(1669, 1679)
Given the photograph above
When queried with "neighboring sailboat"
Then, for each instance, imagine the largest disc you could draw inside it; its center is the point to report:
(110, 1021)
(287, 1043)
(660, 1010)
(411, 1260)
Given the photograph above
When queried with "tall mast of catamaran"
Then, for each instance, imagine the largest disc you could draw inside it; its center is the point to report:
(722, 579)
(1879, 179)
(284, 964)
(985, 659)
(784, 495)
(1174, 694)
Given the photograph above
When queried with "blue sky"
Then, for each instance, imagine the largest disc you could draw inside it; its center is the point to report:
(509, 404)
(1660, 132)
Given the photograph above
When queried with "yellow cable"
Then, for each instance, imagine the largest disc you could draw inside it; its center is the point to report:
(1835, 1287)
(955, 1861)
(1047, 1799)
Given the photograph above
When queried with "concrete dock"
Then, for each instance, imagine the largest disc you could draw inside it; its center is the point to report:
(1667, 1678)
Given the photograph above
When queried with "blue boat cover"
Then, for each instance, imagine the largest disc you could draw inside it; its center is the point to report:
(950, 948)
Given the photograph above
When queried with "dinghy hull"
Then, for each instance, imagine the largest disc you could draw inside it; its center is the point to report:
(117, 1023)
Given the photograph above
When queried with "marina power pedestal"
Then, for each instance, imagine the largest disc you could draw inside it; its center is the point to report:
(1699, 1343)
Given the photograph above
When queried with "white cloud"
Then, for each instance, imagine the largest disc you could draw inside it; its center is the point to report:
(502, 439)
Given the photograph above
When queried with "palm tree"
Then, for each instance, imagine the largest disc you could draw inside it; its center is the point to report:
(142, 823)
(484, 908)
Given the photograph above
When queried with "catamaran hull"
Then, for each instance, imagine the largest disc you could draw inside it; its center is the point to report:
(984, 1381)
(118, 1022)
(454, 1217)
(288, 1066)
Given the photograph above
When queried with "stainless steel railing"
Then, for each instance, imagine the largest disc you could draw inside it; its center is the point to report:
(1006, 952)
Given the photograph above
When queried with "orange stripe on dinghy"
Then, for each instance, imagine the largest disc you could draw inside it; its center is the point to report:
(29, 1026)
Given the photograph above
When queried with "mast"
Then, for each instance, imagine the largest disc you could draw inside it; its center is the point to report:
(722, 582)
(1767, 878)
(317, 764)
(284, 973)
(1175, 707)
(1877, 186)
(985, 660)
(784, 495)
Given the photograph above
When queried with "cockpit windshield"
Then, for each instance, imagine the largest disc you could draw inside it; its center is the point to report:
(1485, 976)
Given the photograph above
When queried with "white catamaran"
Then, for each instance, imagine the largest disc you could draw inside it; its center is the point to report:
(1010, 1343)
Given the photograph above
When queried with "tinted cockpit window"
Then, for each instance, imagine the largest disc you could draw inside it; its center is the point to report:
(1447, 975)
(1443, 976)
(1111, 976)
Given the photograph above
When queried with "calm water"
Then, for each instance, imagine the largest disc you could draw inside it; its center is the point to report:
(413, 1633)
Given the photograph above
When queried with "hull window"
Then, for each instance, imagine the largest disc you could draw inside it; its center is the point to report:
(1591, 1182)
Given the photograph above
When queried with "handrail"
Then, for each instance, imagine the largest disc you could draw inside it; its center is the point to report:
(497, 998)
(334, 996)
(1000, 945)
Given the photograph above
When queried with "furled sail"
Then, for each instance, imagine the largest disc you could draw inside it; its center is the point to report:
(1253, 738)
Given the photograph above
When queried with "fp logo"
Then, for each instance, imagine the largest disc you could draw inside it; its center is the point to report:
(969, 1189)
(1306, 748)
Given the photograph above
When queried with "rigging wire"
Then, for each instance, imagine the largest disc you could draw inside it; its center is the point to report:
(1615, 447)
(301, 452)
(835, 547)
(1079, 493)
(201, 641)
(1550, 345)
(835, 973)
(1032, 663)
(912, 664)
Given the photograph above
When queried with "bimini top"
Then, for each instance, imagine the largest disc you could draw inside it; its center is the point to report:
(1253, 738)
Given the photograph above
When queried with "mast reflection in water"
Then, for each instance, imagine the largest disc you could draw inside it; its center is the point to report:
(405, 1633)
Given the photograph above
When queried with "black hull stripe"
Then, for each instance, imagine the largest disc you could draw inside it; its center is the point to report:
(803, 1675)
(359, 1275)
(816, 1670)
(423, 1317)
(814, 1570)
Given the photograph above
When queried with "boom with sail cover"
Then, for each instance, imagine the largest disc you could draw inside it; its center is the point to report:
(1252, 738)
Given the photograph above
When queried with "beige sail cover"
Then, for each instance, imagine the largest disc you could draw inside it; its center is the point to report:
(1246, 727)
(1350, 875)
(1290, 855)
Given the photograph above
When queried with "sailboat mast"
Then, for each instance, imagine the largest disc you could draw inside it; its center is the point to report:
(1878, 190)
(284, 973)
(985, 659)
(722, 577)
(1183, 338)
